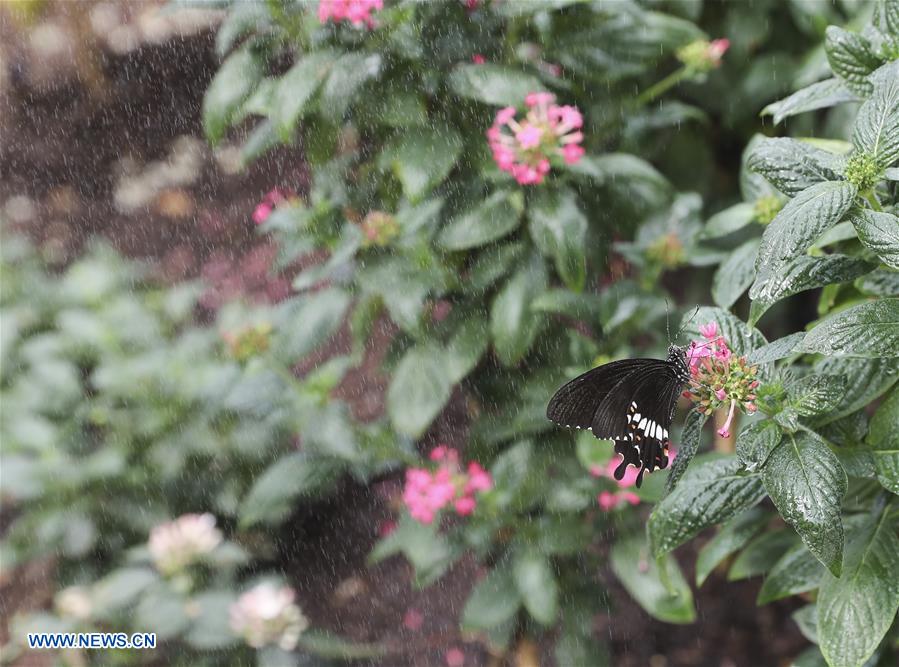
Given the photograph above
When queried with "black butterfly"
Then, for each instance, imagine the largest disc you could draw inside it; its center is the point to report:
(630, 401)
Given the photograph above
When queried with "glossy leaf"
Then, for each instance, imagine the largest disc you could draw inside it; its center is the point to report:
(879, 233)
(820, 95)
(728, 221)
(513, 325)
(295, 89)
(798, 571)
(807, 483)
(495, 599)
(305, 322)
(775, 350)
(761, 554)
(730, 539)
(790, 165)
(422, 158)
(869, 329)
(883, 439)
(756, 442)
(866, 379)
(800, 274)
(876, 131)
(856, 610)
(493, 84)
(851, 58)
(815, 394)
(688, 446)
(710, 493)
(801, 221)
(735, 274)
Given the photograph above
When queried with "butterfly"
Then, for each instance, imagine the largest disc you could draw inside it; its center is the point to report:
(630, 401)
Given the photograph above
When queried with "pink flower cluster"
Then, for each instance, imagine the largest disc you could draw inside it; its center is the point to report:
(719, 377)
(267, 614)
(357, 12)
(703, 56)
(426, 492)
(272, 200)
(525, 148)
(608, 500)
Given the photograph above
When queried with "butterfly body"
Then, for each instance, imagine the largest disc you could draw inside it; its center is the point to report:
(631, 402)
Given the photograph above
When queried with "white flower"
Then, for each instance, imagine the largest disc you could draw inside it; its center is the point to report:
(181, 542)
(268, 614)
(74, 602)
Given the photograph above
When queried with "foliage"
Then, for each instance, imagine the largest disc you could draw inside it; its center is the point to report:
(496, 289)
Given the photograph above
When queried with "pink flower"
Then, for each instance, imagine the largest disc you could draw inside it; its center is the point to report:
(413, 619)
(524, 148)
(273, 199)
(455, 657)
(718, 48)
(630, 474)
(607, 501)
(478, 59)
(180, 543)
(724, 431)
(630, 497)
(426, 493)
(572, 153)
(386, 528)
(709, 331)
(268, 615)
(356, 12)
(720, 394)
(261, 213)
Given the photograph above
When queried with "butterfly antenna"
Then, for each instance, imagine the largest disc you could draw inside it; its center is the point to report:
(684, 325)
(667, 322)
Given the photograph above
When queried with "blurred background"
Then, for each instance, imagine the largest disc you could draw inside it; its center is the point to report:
(142, 296)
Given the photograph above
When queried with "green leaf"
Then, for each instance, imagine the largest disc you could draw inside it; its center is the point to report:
(806, 618)
(778, 349)
(326, 645)
(798, 571)
(537, 585)
(641, 575)
(870, 329)
(856, 610)
(807, 483)
(491, 264)
(792, 166)
(513, 325)
(883, 439)
(710, 493)
(866, 379)
(211, 627)
(756, 442)
(424, 547)
(422, 158)
(494, 218)
(579, 305)
(802, 221)
(735, 274)
(820, 95)
(305, 322)
(851, 58)
(494, 600)
(761, 554)
(275, 492)
(236, 79)
(810, 657)
(879, 233)
(559, 229)
(800, 274)
(730, 539)
(728, 221)
(876, 131)
(296, 88)
(815, 394)
(880, 282)
(162, 610)
(346, 75)
(242, 19)
(419, 389)
(493, 84)
(122, 588)
(465, 349)
(689, 445)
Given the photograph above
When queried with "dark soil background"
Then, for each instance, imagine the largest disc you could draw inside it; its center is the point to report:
(69, 121)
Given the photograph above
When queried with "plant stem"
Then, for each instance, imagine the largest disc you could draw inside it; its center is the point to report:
(872, 199)
(662, 86)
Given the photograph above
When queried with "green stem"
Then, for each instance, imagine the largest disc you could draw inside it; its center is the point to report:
(662, 86)
(872, 199)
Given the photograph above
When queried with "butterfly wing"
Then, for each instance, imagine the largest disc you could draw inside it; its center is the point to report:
(631, 402)
(575, 405)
